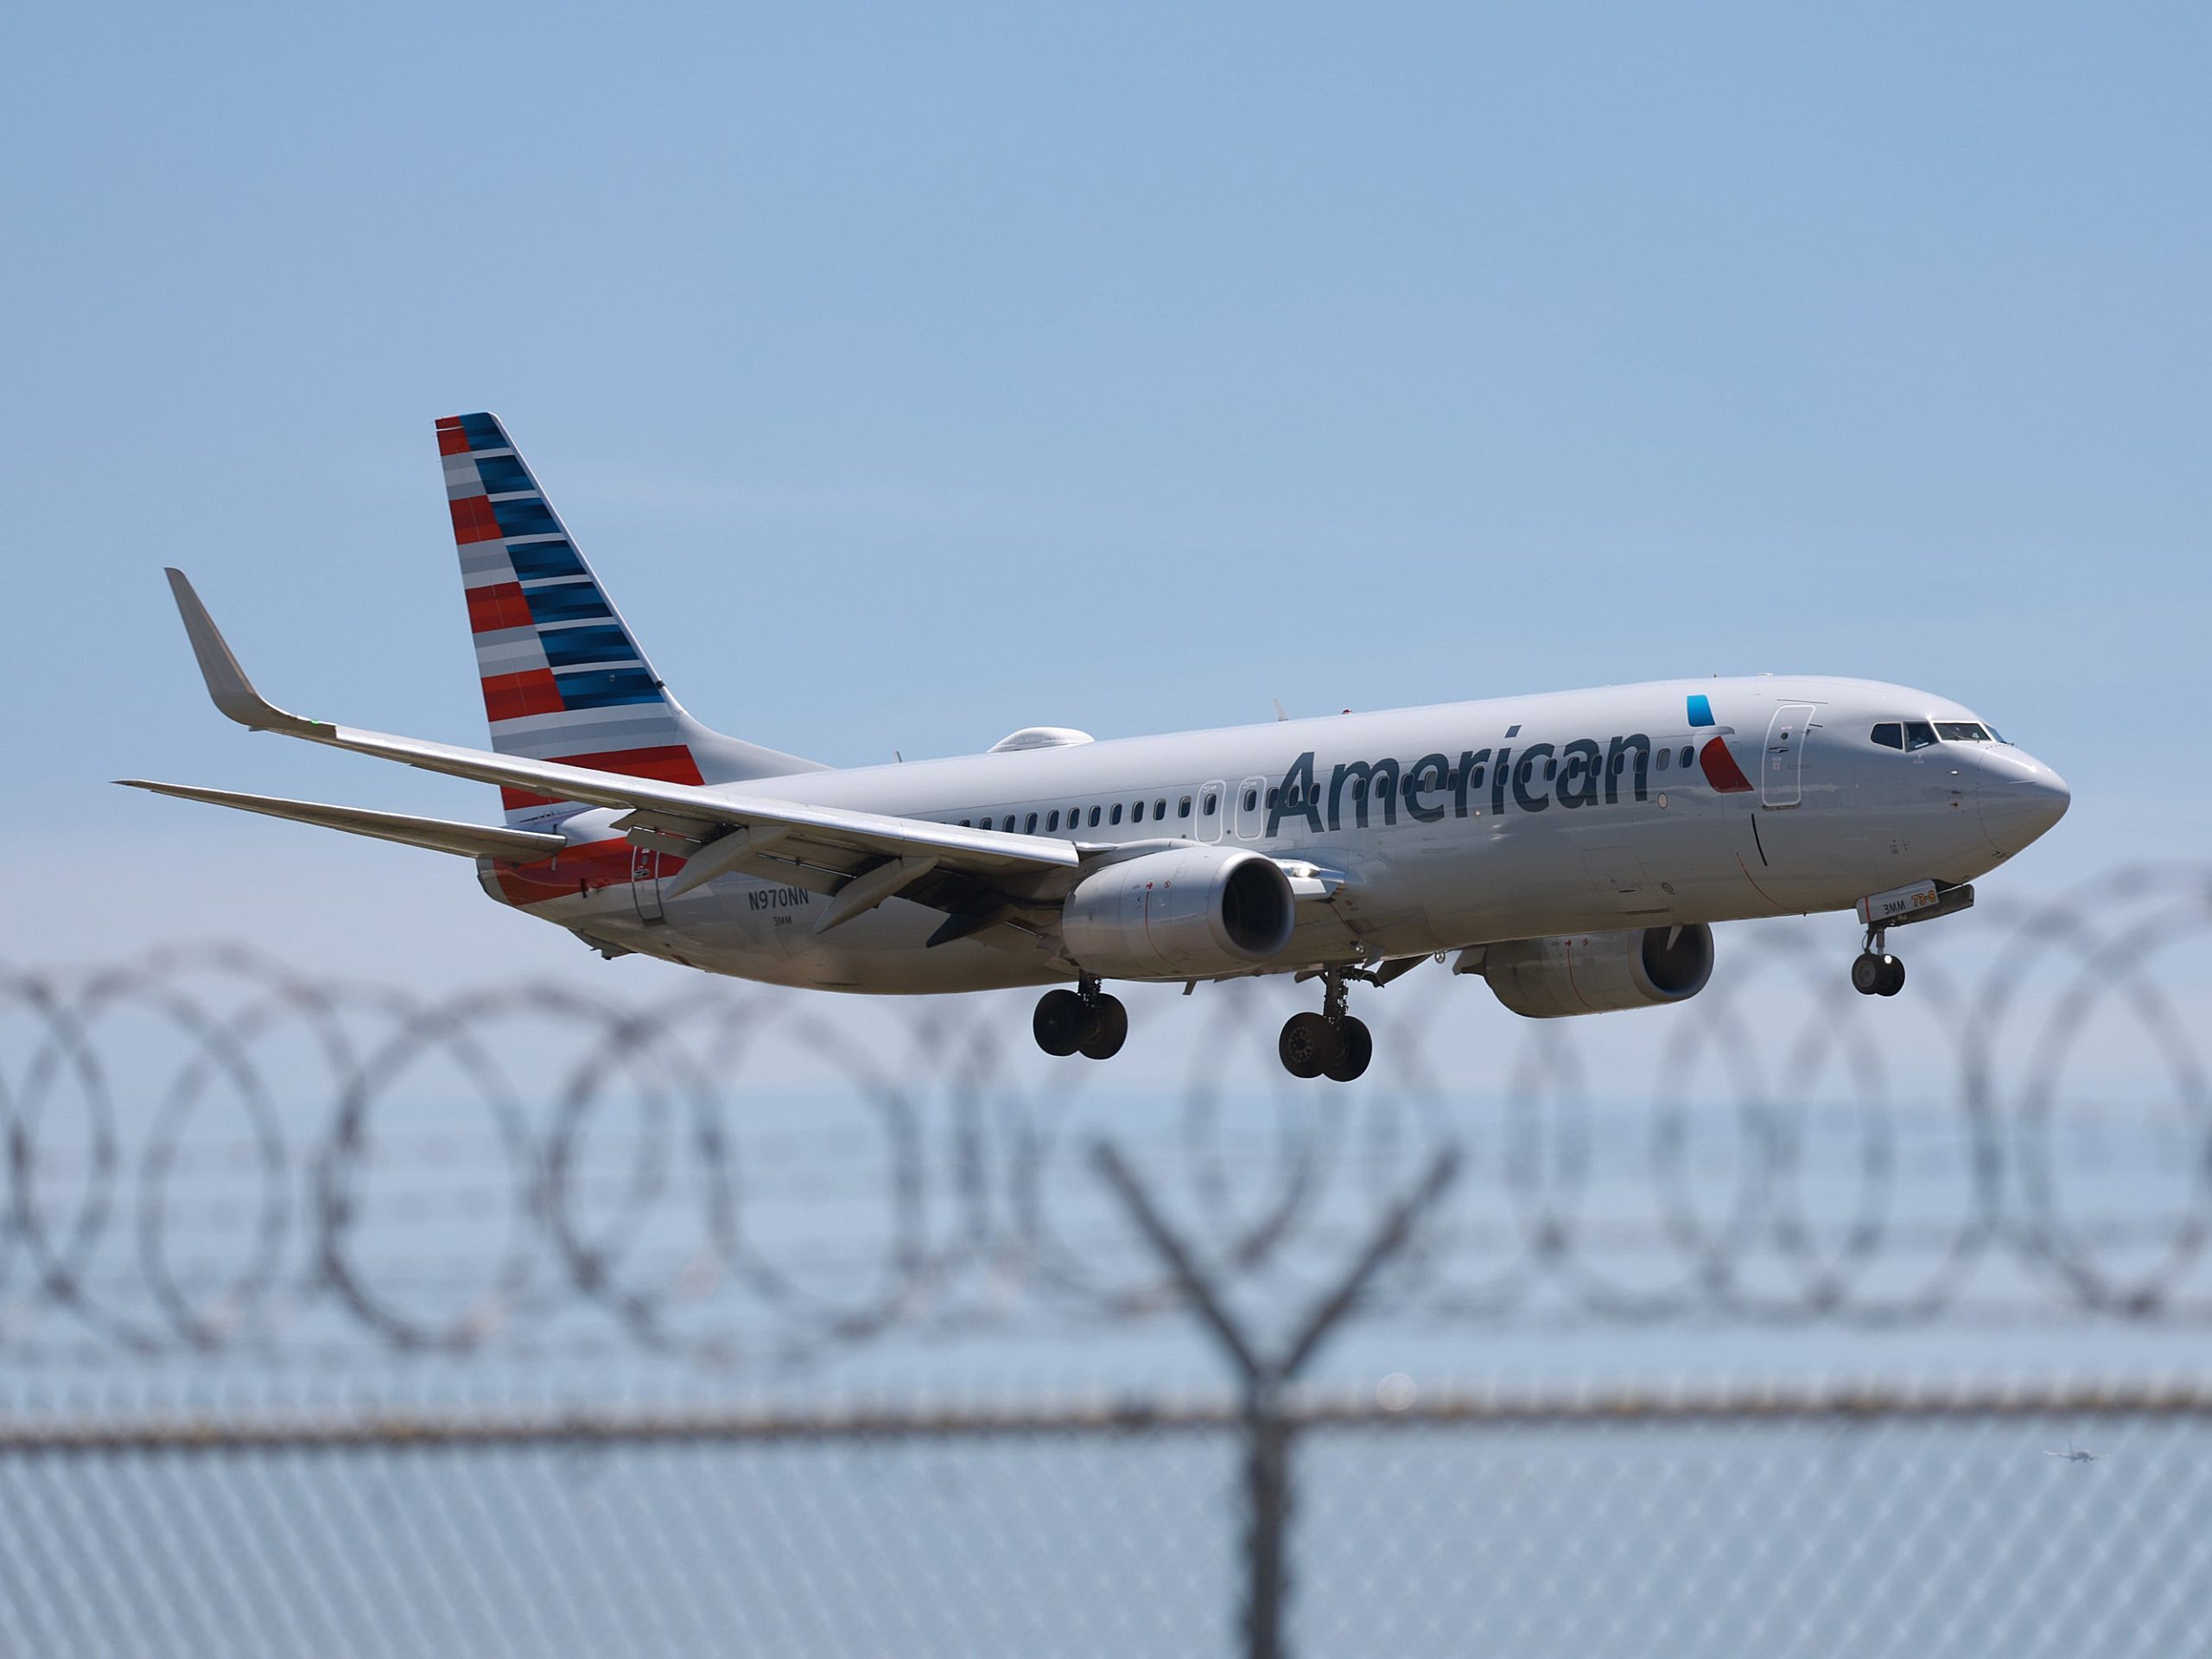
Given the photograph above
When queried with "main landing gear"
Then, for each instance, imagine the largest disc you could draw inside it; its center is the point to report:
(1876, 972)
(1330, 1044)
(1085, 1022)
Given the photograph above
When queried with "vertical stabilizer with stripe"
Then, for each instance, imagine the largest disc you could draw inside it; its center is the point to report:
(563, 677)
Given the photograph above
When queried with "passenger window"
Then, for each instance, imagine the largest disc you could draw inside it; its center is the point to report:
(1665, 755)
(1685, 754)
(964, 824)
(1030, 828)
(1210, 804)
(1475, 777)
(1094, 817)
(1159, 811)
(1251, 799)
(1620, 763)
(1051, 820)
(1116, 816)
(1183, 808)
(1271, 797)
(1889, 734)
(987, 823)
(1551, 769)
(1919, 735)
(1383, 786)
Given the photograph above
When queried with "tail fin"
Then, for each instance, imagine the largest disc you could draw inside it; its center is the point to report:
(564, 678)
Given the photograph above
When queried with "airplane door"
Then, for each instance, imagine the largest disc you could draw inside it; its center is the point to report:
(1781, 778)
(1211, 800)
(1251, 808)
(645, 885)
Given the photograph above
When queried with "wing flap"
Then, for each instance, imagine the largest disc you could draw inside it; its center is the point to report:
(440, 835)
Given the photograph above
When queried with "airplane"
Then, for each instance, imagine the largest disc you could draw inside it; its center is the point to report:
(2069, 1455)
(1573, 849)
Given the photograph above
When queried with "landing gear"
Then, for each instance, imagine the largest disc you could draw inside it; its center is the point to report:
(1358, 1048)
(1876, 972)
(1330, 1044)
(1084, 1021)
(1109, 1028)
(1308, 1043)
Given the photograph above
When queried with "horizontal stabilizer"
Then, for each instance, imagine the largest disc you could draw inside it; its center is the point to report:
(440, 835)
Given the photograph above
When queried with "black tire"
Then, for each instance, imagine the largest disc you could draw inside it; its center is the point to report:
(1059, 1021)
(1357, 1047)
(1892, 977)
(1308, 1043)
(1109, 1028)
(1866, 974)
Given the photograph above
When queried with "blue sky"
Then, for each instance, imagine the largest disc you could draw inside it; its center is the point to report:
(914, 374)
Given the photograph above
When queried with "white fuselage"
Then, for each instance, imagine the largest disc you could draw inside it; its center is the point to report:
(1536, 843)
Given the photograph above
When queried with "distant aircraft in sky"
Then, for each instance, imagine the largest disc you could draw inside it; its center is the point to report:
(1573, 848)
(2069, 1455)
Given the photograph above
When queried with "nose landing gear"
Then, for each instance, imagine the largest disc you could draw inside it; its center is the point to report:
(1330, 1044)
(1876, 972)
(1085, 1022)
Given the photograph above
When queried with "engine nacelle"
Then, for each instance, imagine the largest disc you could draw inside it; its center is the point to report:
(1598, 972)
(1184, 913)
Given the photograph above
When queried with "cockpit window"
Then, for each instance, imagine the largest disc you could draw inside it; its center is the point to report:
(1962, 731)
(1889, 734)
(1919, 735)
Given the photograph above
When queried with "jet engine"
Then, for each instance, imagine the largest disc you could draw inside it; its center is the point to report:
(1184, 913)
(1598, 972)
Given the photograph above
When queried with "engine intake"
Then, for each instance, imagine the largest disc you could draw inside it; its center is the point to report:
(1599, 973)
(1184, 913)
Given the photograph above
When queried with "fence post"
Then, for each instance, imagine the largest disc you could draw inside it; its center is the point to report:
(1267, 1427)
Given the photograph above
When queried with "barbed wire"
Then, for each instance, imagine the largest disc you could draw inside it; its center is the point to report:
(211, 1154)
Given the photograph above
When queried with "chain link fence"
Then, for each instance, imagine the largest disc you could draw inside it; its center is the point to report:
(1904, 1523)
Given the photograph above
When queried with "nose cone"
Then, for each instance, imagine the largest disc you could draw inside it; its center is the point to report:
(2021, 797)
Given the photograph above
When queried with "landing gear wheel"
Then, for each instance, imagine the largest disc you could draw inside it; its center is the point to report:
(1109, 1028)
(1874, 975)
(1309, 1043)
(1356, 1047)
(1060, 1022)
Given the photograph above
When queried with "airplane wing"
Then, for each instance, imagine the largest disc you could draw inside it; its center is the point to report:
(440, 835)
(824, 849)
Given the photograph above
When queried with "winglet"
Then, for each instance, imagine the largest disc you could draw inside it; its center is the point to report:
(226, 682)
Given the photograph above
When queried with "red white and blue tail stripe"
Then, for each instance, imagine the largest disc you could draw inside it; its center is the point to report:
(563, 679)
